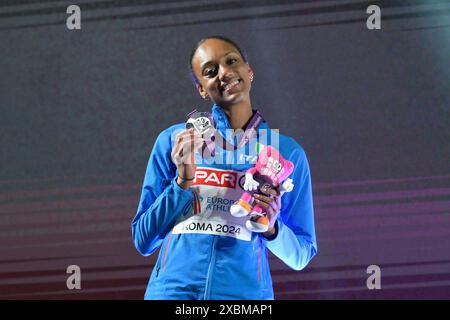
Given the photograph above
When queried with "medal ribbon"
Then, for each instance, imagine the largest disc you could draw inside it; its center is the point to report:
(218, 139)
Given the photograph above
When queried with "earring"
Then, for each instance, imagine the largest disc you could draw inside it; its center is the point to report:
(251, 77)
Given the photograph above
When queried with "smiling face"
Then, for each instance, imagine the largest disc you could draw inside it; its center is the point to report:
(222, 73)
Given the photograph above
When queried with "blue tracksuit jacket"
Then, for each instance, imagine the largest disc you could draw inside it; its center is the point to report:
(205, 252)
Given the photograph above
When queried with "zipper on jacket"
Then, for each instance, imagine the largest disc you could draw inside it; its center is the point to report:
(259, 264)
(212, 263)
(235, 153)
(166, 249)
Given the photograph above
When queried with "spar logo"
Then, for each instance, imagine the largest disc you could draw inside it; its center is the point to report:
(216, 178)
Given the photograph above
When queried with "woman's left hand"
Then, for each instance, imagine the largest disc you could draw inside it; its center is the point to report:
(270, 200)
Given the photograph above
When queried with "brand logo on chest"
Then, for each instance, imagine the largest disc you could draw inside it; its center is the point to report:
(216, 178)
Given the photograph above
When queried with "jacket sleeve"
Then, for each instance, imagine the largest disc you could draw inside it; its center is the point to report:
(162, 199)
(295, 239)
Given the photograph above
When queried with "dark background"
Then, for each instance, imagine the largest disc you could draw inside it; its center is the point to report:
(80, 111)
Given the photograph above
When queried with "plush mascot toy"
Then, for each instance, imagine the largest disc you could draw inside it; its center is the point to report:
(270, 170)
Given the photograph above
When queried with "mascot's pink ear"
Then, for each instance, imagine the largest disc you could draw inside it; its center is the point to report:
(270, 151)
(264, 155)
(288, 167)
